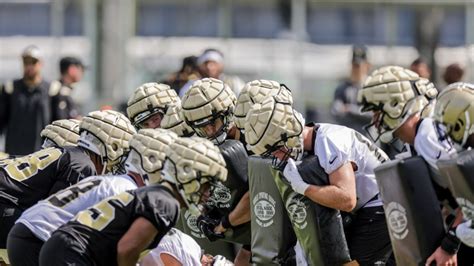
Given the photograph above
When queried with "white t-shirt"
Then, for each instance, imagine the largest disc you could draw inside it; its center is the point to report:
(49, 214)
(429, 146)
(180, 246)
(336, 145)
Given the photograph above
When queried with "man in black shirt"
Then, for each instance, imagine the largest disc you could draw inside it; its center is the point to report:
(26, 180)
(62, 105)
(25, 107)
(119, 228)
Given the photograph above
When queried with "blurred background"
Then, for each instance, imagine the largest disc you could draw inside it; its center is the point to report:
(306, 44)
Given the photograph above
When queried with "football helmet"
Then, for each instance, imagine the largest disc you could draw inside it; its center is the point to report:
(454, 112)
(60, 133)
(191, 163)
(149, 99)
(255, 92)
(394, 93)
(273, 125)
(209, 102)
(106, 133)
(172, 121)
(148, 152)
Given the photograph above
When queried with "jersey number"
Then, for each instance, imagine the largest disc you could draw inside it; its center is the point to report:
(63, 197)
(22, 168)
(99, 216)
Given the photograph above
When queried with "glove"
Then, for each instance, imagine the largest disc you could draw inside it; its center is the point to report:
(207, 224)
(465, 233)
(293, 176)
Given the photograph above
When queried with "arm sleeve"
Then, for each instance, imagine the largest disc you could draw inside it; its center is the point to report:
(331, 155)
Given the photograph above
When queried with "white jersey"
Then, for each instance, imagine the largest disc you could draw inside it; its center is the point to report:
(432, 148)
(49, 214)
(178, 245)
(336, 145)
(429, 145)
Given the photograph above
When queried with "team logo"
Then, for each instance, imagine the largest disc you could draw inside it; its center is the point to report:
(397, 220)
(466, 207)
(191, 222)
(220, 197)
(296, 209)
(264, 209)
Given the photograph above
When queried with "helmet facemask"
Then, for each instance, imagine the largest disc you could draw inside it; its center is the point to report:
(144, 116)
(290, 146)
(192, 191)
(220, 120)
(134, 163)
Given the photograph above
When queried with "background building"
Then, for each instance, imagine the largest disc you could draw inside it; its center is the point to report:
(305, 44)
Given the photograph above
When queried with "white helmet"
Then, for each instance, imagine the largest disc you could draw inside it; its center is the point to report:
(172, 121)
(149, 99)
(255, 92)
(394, 93)
(455, 110)
(60, 133)
(274, 124)
(207, 100)
(148, 153)
(106, 133)
(190, 163)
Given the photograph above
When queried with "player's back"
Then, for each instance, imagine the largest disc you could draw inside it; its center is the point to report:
(26, 180)
(101, 226)
(49, 214)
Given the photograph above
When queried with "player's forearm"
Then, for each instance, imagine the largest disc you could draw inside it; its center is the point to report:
(331, 196)
(241, 212)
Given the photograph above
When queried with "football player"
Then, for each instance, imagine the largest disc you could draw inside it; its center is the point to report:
(402, 103)
(144, 164)
(255, 92)
(26, 180)
(207, 107)
(119, 228)
(454, 111)
(274, 129)
(60, 133)
(149, 103)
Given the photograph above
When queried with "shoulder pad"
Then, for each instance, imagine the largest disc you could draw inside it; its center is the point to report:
(54, 88)
(8, 87)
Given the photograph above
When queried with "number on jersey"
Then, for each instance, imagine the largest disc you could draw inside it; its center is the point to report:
(65, 196)
(103, 213)
(22, 168)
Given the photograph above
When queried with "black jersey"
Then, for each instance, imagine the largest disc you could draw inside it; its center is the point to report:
(226, 195)
(100, 227)
(26, 180)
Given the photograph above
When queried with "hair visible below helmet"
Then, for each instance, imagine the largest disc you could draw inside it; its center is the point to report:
(207, 100)
(274, 124)
(172, 121)
(148, 153)
(455, 110)
(255, 92)
(149, 99)
(64, 132)
(190, 163)
(107, 134)
(397, 93)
